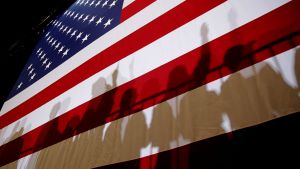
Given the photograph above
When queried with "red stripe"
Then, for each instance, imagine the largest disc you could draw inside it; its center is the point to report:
(198, 67)
(134, 8)
(121, 49)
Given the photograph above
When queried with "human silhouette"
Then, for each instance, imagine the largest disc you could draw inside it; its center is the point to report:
(202, 69)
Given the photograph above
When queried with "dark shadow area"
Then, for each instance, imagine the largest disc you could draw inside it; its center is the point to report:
(271, 144)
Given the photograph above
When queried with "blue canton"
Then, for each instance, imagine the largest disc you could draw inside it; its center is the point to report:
(81, 24)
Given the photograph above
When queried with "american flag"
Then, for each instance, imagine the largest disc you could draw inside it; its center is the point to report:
(116, 83)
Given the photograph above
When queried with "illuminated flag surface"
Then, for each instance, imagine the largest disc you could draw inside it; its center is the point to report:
(142, 83)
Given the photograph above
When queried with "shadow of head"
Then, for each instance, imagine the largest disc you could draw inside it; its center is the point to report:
(204, 33)
(238, 57)
(55, 110)
(99, 87)
(128, 99)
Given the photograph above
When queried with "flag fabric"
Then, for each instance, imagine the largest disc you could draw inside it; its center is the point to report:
(141, 83)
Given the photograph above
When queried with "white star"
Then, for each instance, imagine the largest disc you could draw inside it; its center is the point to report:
(98, 3)
(86, 17)
(65, 29)
(80, 17)
(72, 14)
(61, 49)
(105, 3)
(59, 24)
(79, 35)
(57, 46)
(43, 57)
(49, 37)
(92, 19)
(51, 40)
(66, 52)
(68, 13)
(29, 67)
(38, 50)
(99, 20)
(65, 12)
(32, 77)
(19, 86)
(75, 16)
(40, 53)
(85, 38)
(86, 2)
(53, 43)
(48, 65)
(107, 23)
(81, 2)
(92, 3)
(47, 34)
(73, 33)
(45, 61)
(77, 2)
(69, 31)
(31, 71)
(62, 27)
(113, 4)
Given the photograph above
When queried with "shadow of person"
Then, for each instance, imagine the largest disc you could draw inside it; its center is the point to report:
(160, 134)
(111, 143)
(49, 133)
(127, 102)
(90, 142)
(116, 135)
(195, 109)
(198, 117)
(163, 129)
(202, 68)
(99, 108)
(15, 133)
(134, 131)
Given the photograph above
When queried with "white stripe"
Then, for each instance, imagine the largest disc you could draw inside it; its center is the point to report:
(126, 3)
(179, 140)
(184, 39)
(132, 24)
